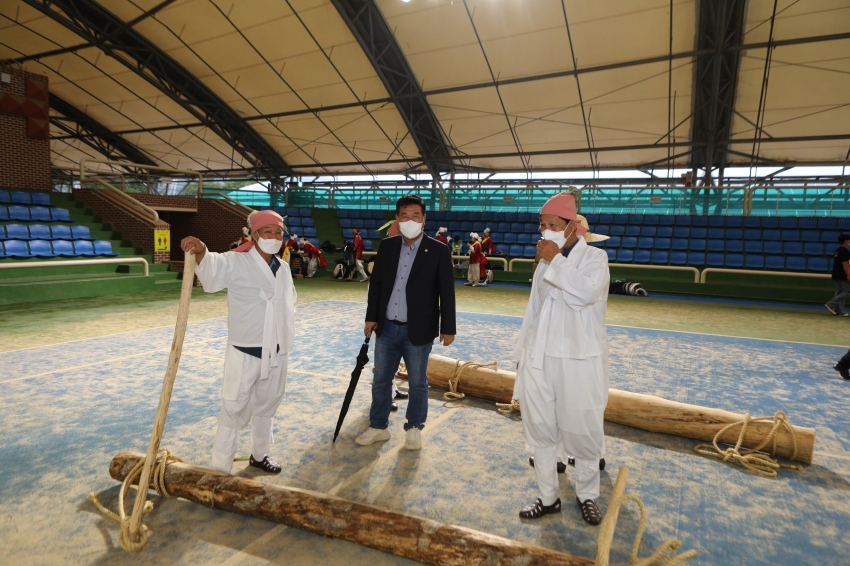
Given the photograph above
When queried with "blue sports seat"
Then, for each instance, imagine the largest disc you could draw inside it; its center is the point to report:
(60, 232)
(829, 237)
(515, 250)
(633, 231)
(468, 226)
(681, 232)
(795, 263)
(666, 220)
(697, 245)
(603, 229)
(680, 244)
(699, 233)
(823, 223)
(592, 217)
(40, 232)
(814, 249)
(650, 220)
(81, 233)
(307, 221)
(454, 226)
(504, 227)
(752, 222)
(678, 258)
(754, 262)
(625, 256)
(646, 243)
(696, 259)
(41, 248)
(754, 247)
(715, 245)
(716, 221)
(810, 236)
(662, 243)
(734, 234)
(660, 258)
(793, 248)
(788, 222)
(612, 254)
(306, 212)
(60, 215)
(476, 216)
(844, 224)
(509, 238)
(310, 232)
(775, 262)
(715, 260)
(348, 233)
(643, 256)
(617, 230)
(664, 232)
(345, 223)
(621, 219)
(773, 248)
(634, 219)
(752, 234)
(41, 199)
(516, 227)
(367, 244)
(4, 213)
(500, 217)
(769, 223)
(84, 248)
(716, 234)
(735, 246)
(771, 234)
(734, 260)
(648, 231)
(699, 221)
(496, 237)
(536, 237)
(293, 222)
(529, 252)
(20, 197)
(629, 242)
(819, 264)
(17, 232)
(807, 223)
(683, 220)
(790, 235)
(734, 222)
(19, 213)
(104, 247)
(64, 248)
(531, 228)
(4, 197)
(17, 249)
(523, 239)
(613, 242)
(463, 215)
(340, 213)
(606, 218)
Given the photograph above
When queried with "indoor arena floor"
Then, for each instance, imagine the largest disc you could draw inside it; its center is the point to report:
(67, 408)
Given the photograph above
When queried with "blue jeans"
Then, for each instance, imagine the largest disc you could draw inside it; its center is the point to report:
(390, 348)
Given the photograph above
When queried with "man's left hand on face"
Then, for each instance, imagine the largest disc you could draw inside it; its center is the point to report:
(447, 339)
(547, 250)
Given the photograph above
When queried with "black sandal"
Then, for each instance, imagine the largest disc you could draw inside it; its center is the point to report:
(265, 464)
(537, 509)
(589, 511)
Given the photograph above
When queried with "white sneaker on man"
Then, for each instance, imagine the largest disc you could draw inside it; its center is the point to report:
(413, 441)
(372, 436)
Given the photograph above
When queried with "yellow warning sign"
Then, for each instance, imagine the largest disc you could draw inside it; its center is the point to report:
(162, 240)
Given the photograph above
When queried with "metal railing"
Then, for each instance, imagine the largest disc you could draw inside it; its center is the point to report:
(231, 200)
(72, 262)
(693, 270)
(149, 168)
(138, 205)
(708, 270)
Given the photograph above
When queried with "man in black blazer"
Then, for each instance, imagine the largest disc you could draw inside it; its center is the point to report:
(411, 302)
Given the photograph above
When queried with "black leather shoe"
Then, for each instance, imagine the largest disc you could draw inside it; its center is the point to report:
(842, 370)
(265, 464)
(401, 395)
(393, 407)
(589, 511)
(561, 466)
(537, 509)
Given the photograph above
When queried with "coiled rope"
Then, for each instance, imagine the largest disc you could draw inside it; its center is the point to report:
(508, 408)
(453, 394)
(751, 458)
(660, 556)
(163, 457)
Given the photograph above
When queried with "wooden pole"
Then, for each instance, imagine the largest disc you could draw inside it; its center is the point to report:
(646, 412)
(165, 395)
(424, 540)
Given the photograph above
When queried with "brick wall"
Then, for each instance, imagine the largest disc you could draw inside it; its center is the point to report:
(24, 161)
(216, 224)
(155, 201)
(133, 227)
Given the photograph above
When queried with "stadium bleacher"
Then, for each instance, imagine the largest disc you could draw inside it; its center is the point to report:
(31, 227)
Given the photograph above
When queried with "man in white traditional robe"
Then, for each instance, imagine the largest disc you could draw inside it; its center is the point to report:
(260, 333)
(562, 375)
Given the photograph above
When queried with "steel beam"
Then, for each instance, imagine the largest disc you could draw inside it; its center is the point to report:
(367, 24)
(116, 38)
(83, 127)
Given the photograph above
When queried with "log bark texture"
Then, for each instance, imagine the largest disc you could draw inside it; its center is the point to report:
(394, 532)
(646, 412)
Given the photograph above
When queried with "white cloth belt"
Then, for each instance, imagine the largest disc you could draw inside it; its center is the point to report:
(271, 356)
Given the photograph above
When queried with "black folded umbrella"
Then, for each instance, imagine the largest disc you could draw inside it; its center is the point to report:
(362, 360)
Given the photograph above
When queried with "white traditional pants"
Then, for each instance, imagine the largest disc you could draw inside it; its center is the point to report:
(474, 273)
(563, 407)
(360, 269)
(256, 402)
(312, 266)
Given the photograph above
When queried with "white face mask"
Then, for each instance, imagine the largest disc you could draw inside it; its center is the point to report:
(558, 237)
(410, 229)
(271, 246)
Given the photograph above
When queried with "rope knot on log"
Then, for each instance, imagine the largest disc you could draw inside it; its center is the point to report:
(163, 457)
(508, 408)
(752, 458)
(453, 394)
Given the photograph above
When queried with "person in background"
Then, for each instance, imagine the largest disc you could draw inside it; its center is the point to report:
(842, 366)
(312, 253)
(475, 256)
(359, 247)
(487, 245)
(840, 276)
(441, 235)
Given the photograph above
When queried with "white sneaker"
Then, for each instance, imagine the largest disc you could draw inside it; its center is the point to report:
(372, 436)
(413, 441)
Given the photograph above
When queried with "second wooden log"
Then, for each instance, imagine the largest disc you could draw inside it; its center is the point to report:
(646, 412)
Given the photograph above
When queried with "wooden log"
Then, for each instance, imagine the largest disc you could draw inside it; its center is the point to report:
(402, 534)
(646, 412)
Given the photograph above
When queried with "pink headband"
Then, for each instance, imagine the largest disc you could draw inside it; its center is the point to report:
(260, 220)
(563, 205)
